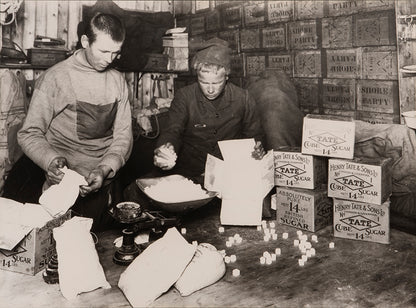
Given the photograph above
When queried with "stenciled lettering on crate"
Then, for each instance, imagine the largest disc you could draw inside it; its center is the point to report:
(375, 29)
(307, 64)
(278, 11)
(274, 37)
(231, 17)
(378, 5)
(250, 39)
(344, 7)
(378, 118)
(380, 63)
(338, 94)
(197, 24)
(303, 34)
(255, 64)
(337, 32)
(212, 21)
(254, 13)
(308, 9)
(377, 96)
(280, 61)
(343, 63)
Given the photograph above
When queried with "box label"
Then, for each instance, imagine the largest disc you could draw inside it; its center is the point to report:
(303, 209)
(375, 29)
(283, 62)
(303, 35)
(380, 65)
(377, 96)
(338, 94)
(343, 63)
(232, 17)
(344, 7)
(197, 25)
(274, 37)
(279, 11)
(362, 221)
(359, 181)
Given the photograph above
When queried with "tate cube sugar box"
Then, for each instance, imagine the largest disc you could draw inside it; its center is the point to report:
(294, 169)
(34, 251)
(360, 179)
(362, 221)
(304, 209)
(330, 136)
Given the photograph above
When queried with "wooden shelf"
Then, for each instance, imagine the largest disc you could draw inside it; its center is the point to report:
(25, 66)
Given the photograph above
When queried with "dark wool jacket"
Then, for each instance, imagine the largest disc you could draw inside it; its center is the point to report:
(195, 124)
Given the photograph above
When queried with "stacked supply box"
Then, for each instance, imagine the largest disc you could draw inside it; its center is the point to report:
(301, 196)
(294, 169)
(361, 188)
(176, 47)
(309, 210)
(360, 179)
(362, 221)
(329, 136)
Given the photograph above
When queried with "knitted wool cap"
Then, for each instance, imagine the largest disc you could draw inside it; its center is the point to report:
(213, 51)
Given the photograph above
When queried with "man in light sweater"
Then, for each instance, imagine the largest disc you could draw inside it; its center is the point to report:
(80, 117)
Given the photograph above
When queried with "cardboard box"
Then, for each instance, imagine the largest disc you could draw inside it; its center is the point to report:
(34, 251)
(242, 181)
(294, 169)
(304, 209)
(330, 136)
(362, 221)
(359, 179)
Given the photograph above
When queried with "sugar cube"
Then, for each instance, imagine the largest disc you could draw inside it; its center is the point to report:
(332, 245)
(221, 230)
(183, 230)
(285, 235)
(236, 272)
(233, 258)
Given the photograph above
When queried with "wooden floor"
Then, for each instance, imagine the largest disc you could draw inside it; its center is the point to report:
(353, 274)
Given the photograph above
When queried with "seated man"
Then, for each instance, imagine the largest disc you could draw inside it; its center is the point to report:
(206, 112)
(79, 117)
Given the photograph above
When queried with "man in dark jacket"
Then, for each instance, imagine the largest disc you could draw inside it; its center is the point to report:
(206, 112)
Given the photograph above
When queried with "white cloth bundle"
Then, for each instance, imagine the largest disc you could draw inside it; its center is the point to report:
(79, 266)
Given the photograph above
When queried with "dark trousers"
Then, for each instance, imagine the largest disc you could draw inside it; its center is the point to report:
(24, 184)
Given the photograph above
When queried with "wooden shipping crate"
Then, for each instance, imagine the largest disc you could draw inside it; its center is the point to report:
(281, 61)
(348, 114)
(308, 90)
(343, 7)
(338, 94)
(360, 179)
(278, 11)
(274, 37)
(255, 64)
(250, 39)
(375, 29)
(309, 9)
(378, 96)
(379, 63)
(197, 25)
(304, 34)
(337, 32)
(232, 37)
(294, 169)
(254, 13)
(231, 17)
(304, 209)
(330, 136)
(343, 63)
(362, 221)
(307, 64)
(212, 21)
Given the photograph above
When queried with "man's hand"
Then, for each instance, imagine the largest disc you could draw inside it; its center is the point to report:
(95, 180)
(258, 152)
(53, 174)
(165, 156)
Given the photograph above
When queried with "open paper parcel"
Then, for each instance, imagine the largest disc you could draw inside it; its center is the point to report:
(241, 181)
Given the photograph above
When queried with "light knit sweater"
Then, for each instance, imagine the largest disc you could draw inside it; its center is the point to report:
(80, 114)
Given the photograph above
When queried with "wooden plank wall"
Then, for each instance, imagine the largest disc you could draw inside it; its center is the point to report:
(60, 19)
